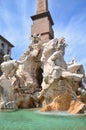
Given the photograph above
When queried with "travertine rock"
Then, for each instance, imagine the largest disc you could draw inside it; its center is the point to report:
(75, 106)
(7, 95)
(21, 78)
(76, 68)
(60, 81)
(60, 102)
(42, 78)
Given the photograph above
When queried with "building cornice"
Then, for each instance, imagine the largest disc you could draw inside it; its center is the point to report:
(5, 40)
(41, 15)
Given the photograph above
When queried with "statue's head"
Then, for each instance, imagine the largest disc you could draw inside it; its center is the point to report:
(6, 57)
(61, 40)
(73, 60)
(36, 38)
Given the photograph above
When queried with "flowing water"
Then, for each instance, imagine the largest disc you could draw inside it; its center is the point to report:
(34, 120)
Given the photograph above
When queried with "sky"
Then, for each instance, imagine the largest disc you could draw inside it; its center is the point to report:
(69, 18)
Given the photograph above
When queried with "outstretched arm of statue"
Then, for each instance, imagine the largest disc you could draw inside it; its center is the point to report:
(54, 56)
(21, 62)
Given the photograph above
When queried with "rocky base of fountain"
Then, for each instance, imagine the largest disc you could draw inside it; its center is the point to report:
(74, 108)
(42, 78)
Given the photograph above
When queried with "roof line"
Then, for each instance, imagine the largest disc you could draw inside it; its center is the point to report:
(5, 40)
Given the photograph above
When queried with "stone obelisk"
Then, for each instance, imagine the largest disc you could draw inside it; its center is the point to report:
(42, 21)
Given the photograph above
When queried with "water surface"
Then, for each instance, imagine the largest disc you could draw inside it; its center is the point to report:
(34, 120)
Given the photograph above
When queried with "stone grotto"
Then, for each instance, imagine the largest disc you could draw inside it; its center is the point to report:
(42, 79)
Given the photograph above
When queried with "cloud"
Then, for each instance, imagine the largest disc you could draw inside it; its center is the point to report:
(74, 32)
(16, 27)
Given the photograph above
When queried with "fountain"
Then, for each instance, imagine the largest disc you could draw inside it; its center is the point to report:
(42, 78)
(52, 91)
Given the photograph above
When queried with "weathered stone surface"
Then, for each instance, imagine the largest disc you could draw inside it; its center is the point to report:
(7, 95)
(72, 76)
(75, 106)
(42, 78)
(22, 78)
(60, 82)
(61, 102)
(76, 68)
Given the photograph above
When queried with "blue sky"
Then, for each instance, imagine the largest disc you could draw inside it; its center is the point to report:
(69, 18)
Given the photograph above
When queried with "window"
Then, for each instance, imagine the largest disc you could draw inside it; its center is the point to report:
(2, 48)
(8, 51)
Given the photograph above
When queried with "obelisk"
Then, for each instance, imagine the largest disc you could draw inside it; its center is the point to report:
(42, 21)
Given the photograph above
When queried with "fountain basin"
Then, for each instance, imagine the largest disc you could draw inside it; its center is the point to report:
(35, 120)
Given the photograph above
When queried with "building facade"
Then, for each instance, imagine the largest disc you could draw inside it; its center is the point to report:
(5, 48)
